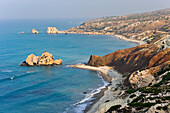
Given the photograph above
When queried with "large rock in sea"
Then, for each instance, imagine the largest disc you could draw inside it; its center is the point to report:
(52, 30)
(32, 59)
(45, 59)
(34, 31)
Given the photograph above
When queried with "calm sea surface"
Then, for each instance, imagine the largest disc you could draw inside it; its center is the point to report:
(48, 89)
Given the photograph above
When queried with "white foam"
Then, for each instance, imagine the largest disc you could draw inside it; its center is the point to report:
(80, 106)
(8, 71)
(30, 71)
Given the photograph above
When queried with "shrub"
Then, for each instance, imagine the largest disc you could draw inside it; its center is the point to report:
(137, 99)
(158, 101)
(113, 108)
(131, 96)
(129, 91)
(141, 104)
(164, 79)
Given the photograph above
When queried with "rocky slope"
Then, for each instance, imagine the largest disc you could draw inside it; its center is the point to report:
(45, 59)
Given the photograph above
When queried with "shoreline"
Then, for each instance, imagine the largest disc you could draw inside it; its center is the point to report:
(108, 75)
(106, 93)
(121, 37)
(103, 70)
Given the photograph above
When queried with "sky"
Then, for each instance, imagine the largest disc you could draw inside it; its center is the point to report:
(53, 9)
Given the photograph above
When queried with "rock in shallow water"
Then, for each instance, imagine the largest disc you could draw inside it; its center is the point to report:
(45, 59)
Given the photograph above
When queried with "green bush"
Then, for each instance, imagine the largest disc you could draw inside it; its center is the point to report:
(141, 104)
(160, 107)
(131, 96)
(151, 90)
(158, 101)
(137, 99)
(164, 79)
(113, 108)
(129, 91)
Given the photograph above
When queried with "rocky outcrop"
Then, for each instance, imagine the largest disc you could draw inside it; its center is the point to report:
(96, 61)
(45, 59)
(141, 79)
(52, 30)
(34, 31)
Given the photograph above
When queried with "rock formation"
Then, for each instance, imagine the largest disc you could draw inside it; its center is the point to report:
(45, 59)
(52, 30)
(34, 31)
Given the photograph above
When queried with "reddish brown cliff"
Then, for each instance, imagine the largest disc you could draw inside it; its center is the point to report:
(132, 59)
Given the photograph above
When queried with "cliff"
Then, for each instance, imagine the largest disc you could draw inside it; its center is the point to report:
(150, 57)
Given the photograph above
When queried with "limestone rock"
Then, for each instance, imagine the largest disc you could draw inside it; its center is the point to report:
(34, 31)
(52, 30)
(141, 79)
(58, 62)
(31, 60)
(45, 59)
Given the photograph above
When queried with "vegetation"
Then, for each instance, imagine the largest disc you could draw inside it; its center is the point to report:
(138, 104)
(114, 108)
(140, 26)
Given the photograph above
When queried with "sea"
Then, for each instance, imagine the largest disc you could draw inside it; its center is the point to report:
(49, 89)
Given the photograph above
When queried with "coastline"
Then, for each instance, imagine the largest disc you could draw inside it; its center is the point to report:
(106, 94)
(121, 37)
(103, 70)
(109, 75)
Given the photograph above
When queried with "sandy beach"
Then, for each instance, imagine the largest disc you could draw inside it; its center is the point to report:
(130, 40)
(99, 105)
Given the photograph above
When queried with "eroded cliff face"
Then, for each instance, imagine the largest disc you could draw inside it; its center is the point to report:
(150, 57)
(132, 59)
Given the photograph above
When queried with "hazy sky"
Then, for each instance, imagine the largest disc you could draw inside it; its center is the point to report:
(42, 9)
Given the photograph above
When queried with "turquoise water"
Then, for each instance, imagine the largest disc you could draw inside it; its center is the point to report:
(48, 89)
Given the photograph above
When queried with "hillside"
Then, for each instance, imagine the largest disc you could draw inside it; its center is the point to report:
(144, 26)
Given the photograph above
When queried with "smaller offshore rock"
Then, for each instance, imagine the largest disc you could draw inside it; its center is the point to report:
(34, 31)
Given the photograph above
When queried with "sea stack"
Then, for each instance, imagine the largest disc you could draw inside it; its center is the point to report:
(46, 59)
(34, 31)
(52, 30)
